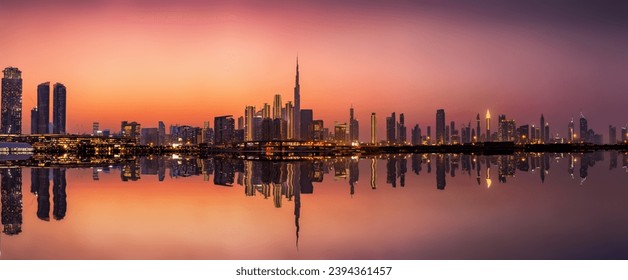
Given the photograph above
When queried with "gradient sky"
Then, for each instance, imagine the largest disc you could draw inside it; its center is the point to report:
(185, 62)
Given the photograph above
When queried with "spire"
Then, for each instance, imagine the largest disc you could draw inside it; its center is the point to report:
(297, 79)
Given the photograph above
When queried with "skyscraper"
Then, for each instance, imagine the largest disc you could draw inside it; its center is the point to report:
(43, 107)
(11, 110)
(58, 109)
(542, 126)
(161, 129)
(612, 135)
(131, 130)
(390, 128)
(277, 106)
(401, 130)
(95, 128)
(224, 129)
(290, 121)
(440, 126)
(488, 126)
(416, 135)
(266, 111)
(373, 128)
(249, 114)
(570, 131)
(297, 105)
(354, 127)
(477, 130)
(584, 128)
(34, 121)
(306, 119)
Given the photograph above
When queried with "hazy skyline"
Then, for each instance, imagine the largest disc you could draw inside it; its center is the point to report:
(188, 61)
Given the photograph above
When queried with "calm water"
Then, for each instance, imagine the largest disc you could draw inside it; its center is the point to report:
(525, 206)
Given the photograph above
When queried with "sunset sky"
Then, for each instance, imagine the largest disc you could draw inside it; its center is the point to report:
(185, 62)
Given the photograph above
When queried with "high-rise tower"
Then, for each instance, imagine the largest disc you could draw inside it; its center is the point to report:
(584, 128)
(58, 108)
(570, 131)
(488, 126)
(277, 106)
(11, 101)
(440, 127)
(477, 130)
(542, 126)
(297, 105)
(43, 107)
(373, 128)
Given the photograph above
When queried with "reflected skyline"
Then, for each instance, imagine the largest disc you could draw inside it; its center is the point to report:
(298, 184)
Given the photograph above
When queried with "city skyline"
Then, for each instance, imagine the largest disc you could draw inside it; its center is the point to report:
(137, 79)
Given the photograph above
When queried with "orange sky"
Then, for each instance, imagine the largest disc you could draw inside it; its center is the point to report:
(189, 62)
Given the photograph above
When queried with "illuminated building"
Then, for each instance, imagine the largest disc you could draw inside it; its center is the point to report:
(524, 134)
(95, 128)
(162, 133)
(429, 135)
(149, 136)
(440, 127)
(130, 130)
(506, 129)
(317, 130)
(624, 134)
(340, 133)
(570, 132)
(58, 108)
(11, 111)
(373, 128)
(43, 107)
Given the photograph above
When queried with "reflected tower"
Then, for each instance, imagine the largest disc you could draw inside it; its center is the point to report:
(373, 173)
(11, 192)
(59, 196)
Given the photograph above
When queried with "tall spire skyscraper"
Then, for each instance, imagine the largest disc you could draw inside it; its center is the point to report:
(297, 106)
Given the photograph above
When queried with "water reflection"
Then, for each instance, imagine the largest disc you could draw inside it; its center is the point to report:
(283, 183)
